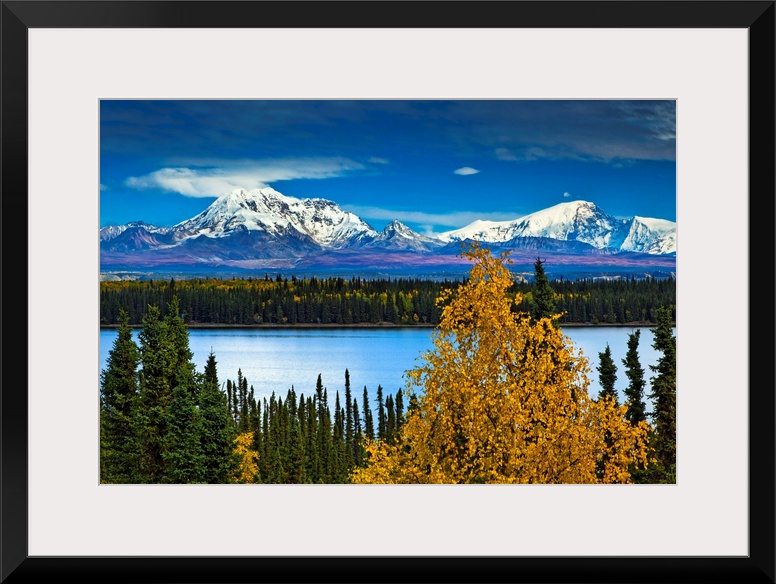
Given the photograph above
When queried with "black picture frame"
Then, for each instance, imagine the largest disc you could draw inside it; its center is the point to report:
(19, 16)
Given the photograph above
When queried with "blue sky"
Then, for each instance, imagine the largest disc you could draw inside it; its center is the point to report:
(434, 165)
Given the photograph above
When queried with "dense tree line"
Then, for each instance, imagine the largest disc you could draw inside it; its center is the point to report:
(278, 301)
(357, 301)
(303, 439)
(609, 301)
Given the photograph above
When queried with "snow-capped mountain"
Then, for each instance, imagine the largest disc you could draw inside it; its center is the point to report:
(268, 210)
(577, 221)
(655, 236)
(112, 231)
(397, 235)
(264, 228)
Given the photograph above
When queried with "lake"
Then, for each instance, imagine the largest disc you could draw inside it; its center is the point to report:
(277, 359)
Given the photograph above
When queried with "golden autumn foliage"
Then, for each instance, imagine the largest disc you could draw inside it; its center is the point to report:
(503, 400)
(247, 471)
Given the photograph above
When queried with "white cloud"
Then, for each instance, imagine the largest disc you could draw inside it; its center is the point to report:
(103, 187)
(428, 220)
(217, 179)
(465, 171)
(378, 160)
(567, 194)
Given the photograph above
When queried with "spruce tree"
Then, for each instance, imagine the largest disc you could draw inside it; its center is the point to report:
(369, 428)
(358, 437)
(348, 422)
(182, 443)
(182, 451)
(313, 466)
(338, 456)
(229, 397)
(543, 305)
(390, 419)
(634, 393)
(380, 414)
(607, 374)
(217, 432)
(296, 472)
(272, 471)
(664, 396)
(118, 392)
(178, 337)
(399, 409)
(244, 404)
(157, 381)
(325, 442)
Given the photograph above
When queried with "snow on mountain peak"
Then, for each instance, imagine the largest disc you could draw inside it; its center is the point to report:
(579, 221)
(268, 210)
(266, 215)
(650, 235)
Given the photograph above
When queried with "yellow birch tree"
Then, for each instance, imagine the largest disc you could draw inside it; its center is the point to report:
(504, 399)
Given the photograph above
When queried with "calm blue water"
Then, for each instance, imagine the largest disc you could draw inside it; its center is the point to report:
(276, 359)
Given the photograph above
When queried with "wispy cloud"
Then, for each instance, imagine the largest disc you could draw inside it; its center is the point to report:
(567, 194)
(598, 130)
(103, 187)
(465, 171)
(505, 154)
(427, 220)
(378, 160)
(212, 178)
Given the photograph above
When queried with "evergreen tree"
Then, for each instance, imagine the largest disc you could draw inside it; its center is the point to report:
(178, 338)
(664, 397)
(320, 402)
(634, 396)
(358, 437)
(244, 403)
(296, 463)
(158, 377)
(543, 294)
(217, 433)
(399, 408)
(369, 428)
(313, 466)
(229, 397)
(272, 471)
(634, 393)
(380, 414)
(339, 466)
(234, 407)
(348, 422)
(607, 374)
(118, 392)
(182, 448)
(325, 443)
(390, 419)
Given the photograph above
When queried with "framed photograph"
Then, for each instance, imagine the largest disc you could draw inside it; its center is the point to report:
(157, 104)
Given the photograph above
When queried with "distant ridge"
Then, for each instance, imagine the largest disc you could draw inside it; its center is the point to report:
(262, 227)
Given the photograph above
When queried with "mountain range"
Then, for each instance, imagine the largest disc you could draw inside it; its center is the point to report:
(263, 229)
